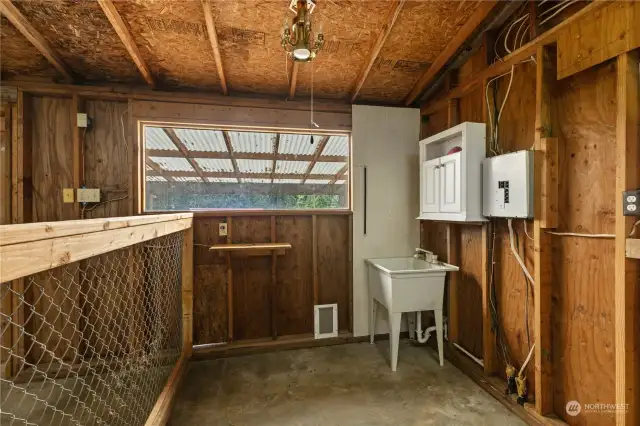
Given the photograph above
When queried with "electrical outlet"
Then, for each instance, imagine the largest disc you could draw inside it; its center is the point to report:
(88, 195)
(222, 229)
(67, 195)
(631, 203)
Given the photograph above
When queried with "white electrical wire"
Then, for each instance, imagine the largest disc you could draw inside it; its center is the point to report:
(552, 8)
(515, 39)
(506, 37)
(558, 11)
(515, 253)
(504, 102)
(526, 361)
(577, 234)
(524, 223)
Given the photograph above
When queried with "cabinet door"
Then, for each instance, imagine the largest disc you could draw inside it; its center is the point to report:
(430, 186)
(450, 183)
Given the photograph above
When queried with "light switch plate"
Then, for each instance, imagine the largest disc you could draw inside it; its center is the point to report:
(88, 195)
(222, 229)
(67, 195)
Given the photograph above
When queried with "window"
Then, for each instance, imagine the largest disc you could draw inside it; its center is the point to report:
(195, 169)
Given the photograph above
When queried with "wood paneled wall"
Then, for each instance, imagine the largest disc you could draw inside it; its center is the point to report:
(261, 308)
(583, 362)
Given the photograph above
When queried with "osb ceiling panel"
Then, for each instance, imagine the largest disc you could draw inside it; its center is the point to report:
(18, 57)
(249, 36)
(350, 28)
(83, 36)
(172, 38)
(420, 33)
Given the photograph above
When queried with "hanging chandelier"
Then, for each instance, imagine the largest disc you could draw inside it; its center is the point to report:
(299, 40)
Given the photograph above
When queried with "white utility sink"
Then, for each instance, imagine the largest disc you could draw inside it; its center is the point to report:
(406, 284)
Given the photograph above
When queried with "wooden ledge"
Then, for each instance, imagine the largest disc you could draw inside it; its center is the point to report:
(253, 249)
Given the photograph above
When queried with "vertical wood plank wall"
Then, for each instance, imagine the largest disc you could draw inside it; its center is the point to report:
(582, 276)
(259, 308)
(254, 301)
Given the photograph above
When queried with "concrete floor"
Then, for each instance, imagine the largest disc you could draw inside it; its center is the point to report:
(344, 385)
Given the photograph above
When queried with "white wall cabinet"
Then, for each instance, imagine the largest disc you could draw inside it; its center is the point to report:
(451, 182)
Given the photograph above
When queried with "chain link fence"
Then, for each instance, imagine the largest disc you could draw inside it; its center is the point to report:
(92, 342)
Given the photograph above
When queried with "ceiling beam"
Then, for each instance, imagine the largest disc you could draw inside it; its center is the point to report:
(122, 30)
(249, 156)
(458, 40)
(19, 21)
(158, 171)
(293, 81)
(276, 146)
(166, 174)
(316, 155)
(227, 142)
(183, 150)
(392, 15)
(340, 174)
(213, 38)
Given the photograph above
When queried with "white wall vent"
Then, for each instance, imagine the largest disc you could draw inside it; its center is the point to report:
(325, 319)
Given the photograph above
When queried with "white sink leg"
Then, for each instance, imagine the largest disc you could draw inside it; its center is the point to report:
(394, 337)
(373, 308)
(439, 332)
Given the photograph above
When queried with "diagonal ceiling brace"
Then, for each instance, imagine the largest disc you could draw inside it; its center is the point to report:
(184, 151)
(123, 32)
(8, 9)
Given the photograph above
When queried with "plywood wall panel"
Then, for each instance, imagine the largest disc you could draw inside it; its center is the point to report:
(52, 164)
(107, 159)
(251, 281)
(587, 116)
(294, 276)
(333, 263)
(583, 326)
(583, 310)
(470, 289)
(210, 308)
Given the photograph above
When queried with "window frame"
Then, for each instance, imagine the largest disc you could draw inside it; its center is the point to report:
(212, 212)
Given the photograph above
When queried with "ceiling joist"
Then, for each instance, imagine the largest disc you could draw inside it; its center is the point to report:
(8, 9)
(213, 38)
(465, 32)
(123, 32)
(340, 174)
(276, 147)
(392, 15)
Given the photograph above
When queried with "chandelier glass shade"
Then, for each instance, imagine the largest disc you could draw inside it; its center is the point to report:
(299, 40)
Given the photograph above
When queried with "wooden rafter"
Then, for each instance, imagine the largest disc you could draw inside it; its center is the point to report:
(14, 16)
(392, 15)
(314, 160)
(122, 30)
(293, 80)
(460, 38)
(276, 147)
(340, 174)
(213, 38)
(158, 171)
(298, 176)
(184, 151)
(249, 156)
(227, 142)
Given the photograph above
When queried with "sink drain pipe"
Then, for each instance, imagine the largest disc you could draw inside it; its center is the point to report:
(423, 336)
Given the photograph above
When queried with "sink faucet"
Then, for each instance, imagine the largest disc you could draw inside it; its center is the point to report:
(425, 255)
